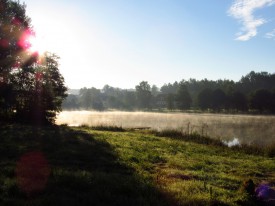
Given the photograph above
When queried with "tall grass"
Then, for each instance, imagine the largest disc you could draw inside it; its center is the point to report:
(255, 149)
(104, 128)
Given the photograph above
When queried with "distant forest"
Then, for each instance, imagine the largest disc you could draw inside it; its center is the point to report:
(253, 93)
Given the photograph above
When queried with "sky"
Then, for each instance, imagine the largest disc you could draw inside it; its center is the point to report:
(124, 42)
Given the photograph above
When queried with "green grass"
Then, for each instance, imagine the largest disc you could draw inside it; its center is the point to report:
(93, 167)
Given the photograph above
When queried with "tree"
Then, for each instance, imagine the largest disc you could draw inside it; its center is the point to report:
(205, 99)
(113, 97)
(239, 101)
(39, 91)
(273, 102)
(91, 98)
(218, 99)
(154, 90)
(14, 34)
(14, 27)
(170, 100)
(170, 88)
(144, 95)
(261, 100)
(96, 99)
(71, 102)
(130, 100)
(256, 80)
(85, 98)
(31, 88)
(183, 97)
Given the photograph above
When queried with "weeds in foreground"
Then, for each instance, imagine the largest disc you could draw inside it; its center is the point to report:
(104, 128)
(194, 137)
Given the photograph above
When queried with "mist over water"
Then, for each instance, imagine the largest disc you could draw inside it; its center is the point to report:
(233, 129)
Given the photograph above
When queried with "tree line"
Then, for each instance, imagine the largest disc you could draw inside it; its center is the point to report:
(254, 93)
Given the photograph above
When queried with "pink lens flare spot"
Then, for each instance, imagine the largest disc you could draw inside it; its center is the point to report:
(32, 172)
(24, 41)
(4, 43)
(39, 76)
(16, 65)
(16, 21)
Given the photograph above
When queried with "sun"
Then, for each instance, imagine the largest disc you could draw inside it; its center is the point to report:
(37, 44)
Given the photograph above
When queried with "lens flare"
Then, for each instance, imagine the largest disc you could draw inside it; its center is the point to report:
(37, 44)
(24, 41)
(32, 172)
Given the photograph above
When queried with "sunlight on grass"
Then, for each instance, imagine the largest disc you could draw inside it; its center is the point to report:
(128, 168)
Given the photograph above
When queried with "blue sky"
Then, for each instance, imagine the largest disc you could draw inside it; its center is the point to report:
(123, 42)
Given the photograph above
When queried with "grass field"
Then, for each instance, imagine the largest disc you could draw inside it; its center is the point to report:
(80, 166)
(248, 129)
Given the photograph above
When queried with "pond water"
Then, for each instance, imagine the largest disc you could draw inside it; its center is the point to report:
(242, 128)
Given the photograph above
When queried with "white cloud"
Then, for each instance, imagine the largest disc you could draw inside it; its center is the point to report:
(243, 10)
(270, 35)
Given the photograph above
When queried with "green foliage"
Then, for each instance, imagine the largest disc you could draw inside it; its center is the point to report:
(105, 128)
(15, 25)
(239, 102)
(170, 99)
(143, 91)
(205, 99)
(183, 97)
(38, 92)
(194, 137)
(261, 100)
(71, 102)
(252, 149)
(212, 96)
(90, 99)
(31, 87)
(218, 99)
(92, 167)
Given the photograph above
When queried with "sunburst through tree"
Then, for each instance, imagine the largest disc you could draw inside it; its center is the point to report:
(31, 86)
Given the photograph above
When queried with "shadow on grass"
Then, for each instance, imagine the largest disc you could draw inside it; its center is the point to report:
(81, 170)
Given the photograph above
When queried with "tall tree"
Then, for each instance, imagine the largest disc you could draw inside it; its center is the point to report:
(31, 90)
(144, 95)
(154, 90)
(218, 99)
(85, 98)
(14, 31)
(239, 101)
(261, 100)
(205, 99)
(170, 101)
(183, 97)
(39, 91)
(71, 102)
(96, 99)
(130, 100)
